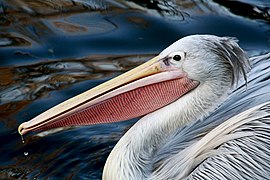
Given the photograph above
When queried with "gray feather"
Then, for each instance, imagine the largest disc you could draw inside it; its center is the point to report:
(207, 133)
(229, 51)
(245, 157)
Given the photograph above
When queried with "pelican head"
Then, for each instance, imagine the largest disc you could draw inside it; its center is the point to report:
(206, 58)
(193, 61)
(185, 82)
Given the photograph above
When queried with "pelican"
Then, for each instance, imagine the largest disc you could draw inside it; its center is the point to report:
(205, 110)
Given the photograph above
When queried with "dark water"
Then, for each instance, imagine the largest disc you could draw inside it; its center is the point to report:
(53, 50)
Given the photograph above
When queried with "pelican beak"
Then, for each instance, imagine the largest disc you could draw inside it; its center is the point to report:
(137, 92)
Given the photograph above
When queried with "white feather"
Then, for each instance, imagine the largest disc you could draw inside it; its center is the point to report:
(187, 139)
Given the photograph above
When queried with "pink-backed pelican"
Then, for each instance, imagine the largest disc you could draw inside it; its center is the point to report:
(205, 108)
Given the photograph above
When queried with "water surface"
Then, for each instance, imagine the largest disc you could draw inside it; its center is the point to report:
(52, 51)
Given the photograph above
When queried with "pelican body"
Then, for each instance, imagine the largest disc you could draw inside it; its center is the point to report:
(205, 111)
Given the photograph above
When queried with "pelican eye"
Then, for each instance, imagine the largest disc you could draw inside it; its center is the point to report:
(177, 57)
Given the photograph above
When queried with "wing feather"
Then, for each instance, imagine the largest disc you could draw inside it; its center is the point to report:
(232, 143)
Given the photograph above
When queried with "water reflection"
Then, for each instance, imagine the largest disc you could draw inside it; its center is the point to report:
(27, 83)
(12, 40)
(34, 21)
(252, 11)
(53, 50)
(39, 19)
(43, 18)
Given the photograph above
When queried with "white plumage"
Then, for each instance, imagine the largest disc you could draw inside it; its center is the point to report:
(214, 124)
(211, 132)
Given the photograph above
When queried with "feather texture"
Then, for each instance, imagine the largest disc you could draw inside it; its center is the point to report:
(212, 132)
(241, 153)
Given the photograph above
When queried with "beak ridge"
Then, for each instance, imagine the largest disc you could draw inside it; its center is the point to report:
(111, 94)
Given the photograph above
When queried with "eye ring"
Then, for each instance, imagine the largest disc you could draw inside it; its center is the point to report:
(177, 57)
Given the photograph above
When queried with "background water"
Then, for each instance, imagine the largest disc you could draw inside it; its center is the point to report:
(53, 50)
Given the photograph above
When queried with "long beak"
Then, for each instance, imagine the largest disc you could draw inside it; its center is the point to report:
(118, 99)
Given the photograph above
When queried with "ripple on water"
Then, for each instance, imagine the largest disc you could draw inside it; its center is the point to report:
(53, 50)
